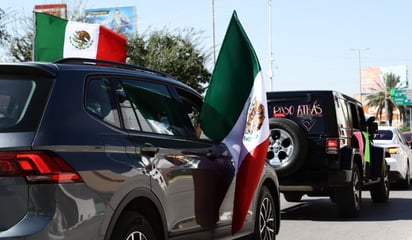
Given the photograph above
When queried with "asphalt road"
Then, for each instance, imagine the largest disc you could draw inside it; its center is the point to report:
(318, 219)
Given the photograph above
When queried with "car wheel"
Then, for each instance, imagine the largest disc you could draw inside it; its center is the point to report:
(380, 191)
(265, 221)
(406, 183)
(349, 198)
(132, 226)
(293, 196)
(287, 147)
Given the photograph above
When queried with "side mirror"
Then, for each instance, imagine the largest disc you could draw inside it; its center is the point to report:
(370, 120)
(373, 128)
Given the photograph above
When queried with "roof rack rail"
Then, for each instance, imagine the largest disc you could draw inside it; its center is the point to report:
(99, 62)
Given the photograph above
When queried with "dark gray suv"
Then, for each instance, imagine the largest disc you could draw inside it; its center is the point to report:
(100, 150)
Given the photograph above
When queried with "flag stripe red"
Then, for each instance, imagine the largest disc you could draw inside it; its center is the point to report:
(111, 46)
(247, 180)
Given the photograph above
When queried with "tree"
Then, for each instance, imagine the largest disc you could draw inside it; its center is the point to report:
(176, 54)
(4, 34)
(21, 48)
(378, 99)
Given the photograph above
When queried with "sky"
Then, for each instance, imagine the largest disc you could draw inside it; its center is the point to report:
(314, 45)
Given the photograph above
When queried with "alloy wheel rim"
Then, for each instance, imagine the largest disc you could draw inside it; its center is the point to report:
(356, 190)
(281, 146)
(136, 235)
(266, 220)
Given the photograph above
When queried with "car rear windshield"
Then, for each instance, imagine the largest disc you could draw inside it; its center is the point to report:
(307, 112)
(22, 102)
(383, 135)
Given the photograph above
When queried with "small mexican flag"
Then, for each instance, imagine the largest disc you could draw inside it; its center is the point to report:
(235, 113)
(57, 38)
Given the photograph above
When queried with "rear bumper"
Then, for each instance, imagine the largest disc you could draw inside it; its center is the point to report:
(340, 178)
(31, 224)
(333, 178)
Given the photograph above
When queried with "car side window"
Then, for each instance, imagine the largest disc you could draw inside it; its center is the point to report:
(192, 105)
(342, 113)
(156, 109)
(100, 101)
(356, 124)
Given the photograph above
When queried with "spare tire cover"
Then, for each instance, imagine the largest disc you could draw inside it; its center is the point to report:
(287, 147)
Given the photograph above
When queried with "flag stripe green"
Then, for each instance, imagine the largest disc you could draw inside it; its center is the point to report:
(49, 37)
(236, 65)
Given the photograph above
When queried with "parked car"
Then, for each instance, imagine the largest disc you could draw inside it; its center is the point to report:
(400, 158)
(316, 145)
(408, 137)
(94, 149)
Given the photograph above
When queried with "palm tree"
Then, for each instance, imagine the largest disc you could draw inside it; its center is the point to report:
(378, 99)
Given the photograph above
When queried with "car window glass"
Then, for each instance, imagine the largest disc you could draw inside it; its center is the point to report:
(342, 113)
(355, 116)
(307, 111)
(383, 135)
(100, 101)
(15, 96)
(192, 105)
(154, 103)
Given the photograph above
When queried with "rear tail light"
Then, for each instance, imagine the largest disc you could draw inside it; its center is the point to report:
(37, 167)
(393, 150)
(332, 146)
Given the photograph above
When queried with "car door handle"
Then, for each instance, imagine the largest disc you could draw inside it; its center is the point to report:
(149, 150)
(210, 154)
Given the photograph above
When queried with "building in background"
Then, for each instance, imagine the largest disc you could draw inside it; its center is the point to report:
(119, 19)
(58, 10)
(371, 77)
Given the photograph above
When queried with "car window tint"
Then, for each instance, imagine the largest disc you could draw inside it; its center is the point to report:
(383, 135)
(15, 97)
(100, 101)
(307, 111)
(408, 137)
(192, 105)
(154, 102)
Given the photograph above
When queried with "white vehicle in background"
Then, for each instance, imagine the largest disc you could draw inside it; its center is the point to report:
(392, 139)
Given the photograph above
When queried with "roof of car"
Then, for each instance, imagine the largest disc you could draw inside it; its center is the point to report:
(305, 92)
(51, 69)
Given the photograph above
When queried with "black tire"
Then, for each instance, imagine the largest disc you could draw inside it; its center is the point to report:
(287, 147)
(380, 191)
(265, 221)
(349, 198)
(293, 196)
(133, 225)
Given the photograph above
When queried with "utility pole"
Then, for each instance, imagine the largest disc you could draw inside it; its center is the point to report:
(359, 50)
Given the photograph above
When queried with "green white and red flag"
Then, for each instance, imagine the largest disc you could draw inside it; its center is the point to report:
(235, 113)
(57, 38)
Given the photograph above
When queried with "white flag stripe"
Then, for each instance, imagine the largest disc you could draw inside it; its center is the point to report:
(89, 48)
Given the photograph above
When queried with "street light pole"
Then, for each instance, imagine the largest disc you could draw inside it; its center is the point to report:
(359, 50)
(270, 46)
(213, 33)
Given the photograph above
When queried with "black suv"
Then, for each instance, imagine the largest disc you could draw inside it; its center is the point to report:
(101, 150)
(319, 147)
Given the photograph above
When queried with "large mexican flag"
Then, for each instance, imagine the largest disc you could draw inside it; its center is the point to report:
(57, 38)
(235, 112)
